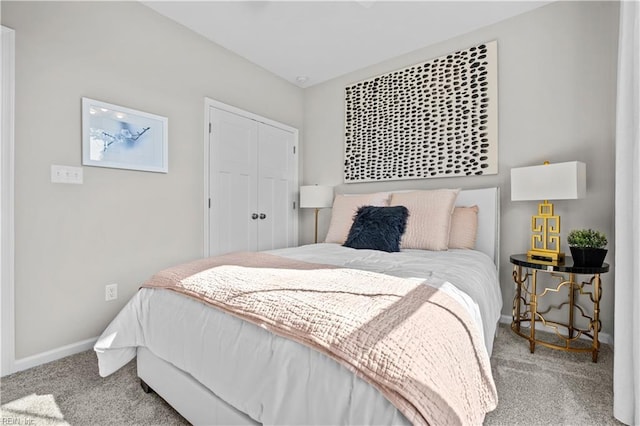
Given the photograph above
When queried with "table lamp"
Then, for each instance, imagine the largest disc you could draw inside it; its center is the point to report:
(316, 197)
(559, 181)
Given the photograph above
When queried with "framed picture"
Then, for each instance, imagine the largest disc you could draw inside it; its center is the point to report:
(434, 119)
(123, 138)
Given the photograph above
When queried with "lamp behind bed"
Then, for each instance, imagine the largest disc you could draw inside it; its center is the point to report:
(316, 197)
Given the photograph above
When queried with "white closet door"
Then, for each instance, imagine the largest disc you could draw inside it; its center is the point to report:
(275, 187)
(233, 183)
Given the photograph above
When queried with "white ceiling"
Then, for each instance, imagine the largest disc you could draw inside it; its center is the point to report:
(321, 40)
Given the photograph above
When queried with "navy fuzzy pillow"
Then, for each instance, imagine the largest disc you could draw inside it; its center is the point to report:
(378, 228)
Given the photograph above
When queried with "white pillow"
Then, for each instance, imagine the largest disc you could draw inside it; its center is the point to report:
(464, 228)
(344, 209)
(429, 217)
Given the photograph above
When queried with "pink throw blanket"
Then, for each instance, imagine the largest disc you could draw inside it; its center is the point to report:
(411, 341)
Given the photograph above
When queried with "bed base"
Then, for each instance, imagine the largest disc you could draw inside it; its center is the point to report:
(186, 395)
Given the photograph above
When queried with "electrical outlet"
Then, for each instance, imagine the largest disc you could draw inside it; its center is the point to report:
(111, 292)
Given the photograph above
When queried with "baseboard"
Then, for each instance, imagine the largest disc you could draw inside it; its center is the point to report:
(604, 338)
(52, 355)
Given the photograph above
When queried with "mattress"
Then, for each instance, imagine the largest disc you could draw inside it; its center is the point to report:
(273, 379)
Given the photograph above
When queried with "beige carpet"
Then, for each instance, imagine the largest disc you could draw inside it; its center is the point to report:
(550, 387)
(70, 391)
(545, 388)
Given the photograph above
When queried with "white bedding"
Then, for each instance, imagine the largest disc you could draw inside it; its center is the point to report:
(467, 275)
(275, 380)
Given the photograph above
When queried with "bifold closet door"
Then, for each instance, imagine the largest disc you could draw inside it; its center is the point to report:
(275, 192)
(233, 183)
(251, 176)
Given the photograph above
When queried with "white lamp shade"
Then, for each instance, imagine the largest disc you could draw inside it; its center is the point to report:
(316, 196)
(559, 181)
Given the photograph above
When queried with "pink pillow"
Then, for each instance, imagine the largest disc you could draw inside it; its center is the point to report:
(429, 217)
(344, 209)
(464, 228)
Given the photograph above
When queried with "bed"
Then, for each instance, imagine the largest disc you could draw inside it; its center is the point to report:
(217, 367)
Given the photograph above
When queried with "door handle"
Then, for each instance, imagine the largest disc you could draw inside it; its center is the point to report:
(254, 216)
(263, 216)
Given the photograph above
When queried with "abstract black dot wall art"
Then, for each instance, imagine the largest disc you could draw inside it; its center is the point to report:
(434, 119)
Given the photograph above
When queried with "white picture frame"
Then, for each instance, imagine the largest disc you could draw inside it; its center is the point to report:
(123, 138)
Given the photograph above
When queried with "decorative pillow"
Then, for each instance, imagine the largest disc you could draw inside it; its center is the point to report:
(378, 228)
(429, 217)
(344, 210)
(464, 228)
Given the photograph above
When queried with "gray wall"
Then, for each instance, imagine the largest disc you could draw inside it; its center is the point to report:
(557, 75)
(119, 226)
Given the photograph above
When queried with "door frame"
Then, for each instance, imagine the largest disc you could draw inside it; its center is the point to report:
(212, 103)
(7, 298)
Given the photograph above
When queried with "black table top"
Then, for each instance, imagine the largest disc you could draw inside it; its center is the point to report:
(564, 266)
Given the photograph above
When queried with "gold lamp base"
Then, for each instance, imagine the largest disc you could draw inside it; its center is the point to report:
(316, 234)
(545, 237)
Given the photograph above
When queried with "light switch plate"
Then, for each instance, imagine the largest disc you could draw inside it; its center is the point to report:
(66, 174)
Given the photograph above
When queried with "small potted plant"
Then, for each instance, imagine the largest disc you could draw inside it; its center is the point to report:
(587, 247)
